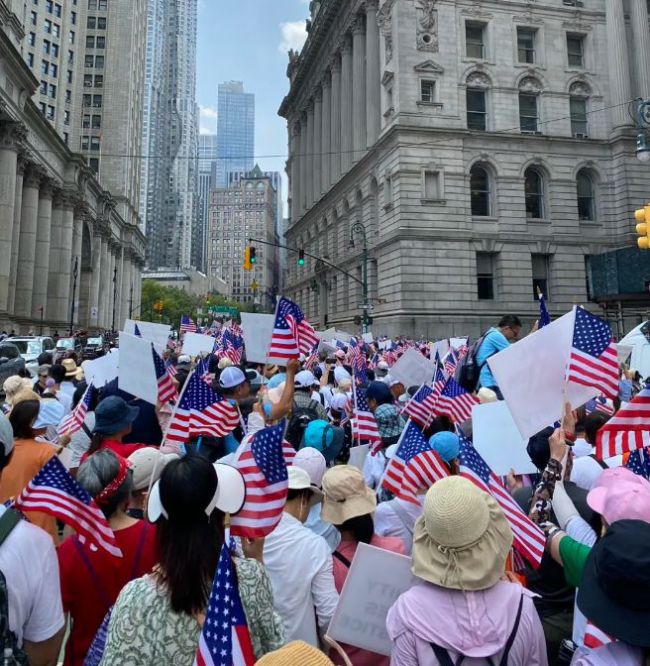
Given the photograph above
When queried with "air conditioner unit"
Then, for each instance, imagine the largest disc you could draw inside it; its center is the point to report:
(570, 3)
(580, 135)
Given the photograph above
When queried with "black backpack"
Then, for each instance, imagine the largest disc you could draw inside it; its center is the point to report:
(13, 655)
(467, 369)
(301, 417)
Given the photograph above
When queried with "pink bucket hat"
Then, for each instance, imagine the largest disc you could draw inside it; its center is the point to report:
(620, 494)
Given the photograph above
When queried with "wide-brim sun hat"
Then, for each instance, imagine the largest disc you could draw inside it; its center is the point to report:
(113, 414)
(71, 369)
(296, 653)
(229, 497)
(614, 592)
(462, 539)
(346, 495)
(299, 480)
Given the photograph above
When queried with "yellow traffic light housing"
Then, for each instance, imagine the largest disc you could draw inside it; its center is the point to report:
(248, 266)
(642, 216)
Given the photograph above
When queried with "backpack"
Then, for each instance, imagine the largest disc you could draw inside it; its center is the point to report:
(301, 417)
(468, 370)
(9, 650)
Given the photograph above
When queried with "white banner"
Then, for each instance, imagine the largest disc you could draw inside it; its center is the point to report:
(197, 343)
(137, 375)
(413, 369)
(258, 329)
(103, 370)
(156, 333)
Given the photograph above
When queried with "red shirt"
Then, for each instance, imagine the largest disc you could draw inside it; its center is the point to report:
(121, 449)
(82, 597)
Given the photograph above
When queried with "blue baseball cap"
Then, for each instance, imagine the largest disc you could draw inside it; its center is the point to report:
(276, 380)
(323, 437)
(446, 445)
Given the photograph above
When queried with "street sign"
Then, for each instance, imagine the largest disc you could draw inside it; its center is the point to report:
(223, 310)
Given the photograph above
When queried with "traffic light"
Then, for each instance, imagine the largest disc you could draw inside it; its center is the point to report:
(248, 266)
(158, 306)
(301, 257)
(252, 255)
(642, 216)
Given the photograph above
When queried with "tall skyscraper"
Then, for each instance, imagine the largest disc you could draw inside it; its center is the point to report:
(171, 136)
(207, 182)
(235, 130)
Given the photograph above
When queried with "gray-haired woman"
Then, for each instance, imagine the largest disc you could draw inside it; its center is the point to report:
(91, 579)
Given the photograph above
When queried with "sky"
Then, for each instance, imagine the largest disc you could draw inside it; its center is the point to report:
(248, 41)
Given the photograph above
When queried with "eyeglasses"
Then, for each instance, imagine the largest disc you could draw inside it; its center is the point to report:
(43, 376)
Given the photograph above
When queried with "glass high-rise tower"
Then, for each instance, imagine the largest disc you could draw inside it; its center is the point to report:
(235, 130)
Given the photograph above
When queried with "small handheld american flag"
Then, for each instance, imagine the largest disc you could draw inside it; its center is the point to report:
(263, 464)
(166, 389)
(628, 429)
(292, 333)
(187, 325)
(456, 401)
(225, 639)
(364, 425)
(639, 462)
(73, 421)
(593, 361)
(544, 316)
(54, 492)
(420, 408)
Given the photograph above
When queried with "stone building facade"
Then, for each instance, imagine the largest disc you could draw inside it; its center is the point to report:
(486, 148)
(54, 215)
(245, 210)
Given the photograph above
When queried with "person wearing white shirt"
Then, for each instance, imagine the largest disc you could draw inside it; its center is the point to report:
(299, 564)
(397, 518)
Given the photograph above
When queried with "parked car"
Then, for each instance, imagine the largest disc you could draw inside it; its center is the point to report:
(30, 348)
(11, 362)
(94, 348)
(66, 345)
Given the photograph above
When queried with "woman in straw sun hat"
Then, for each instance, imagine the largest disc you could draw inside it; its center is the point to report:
(463, 607)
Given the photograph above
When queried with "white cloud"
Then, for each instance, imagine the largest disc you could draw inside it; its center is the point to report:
(293, 34)
(208, 120)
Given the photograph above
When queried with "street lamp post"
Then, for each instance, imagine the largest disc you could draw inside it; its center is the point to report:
(75, 272)
(358, 228)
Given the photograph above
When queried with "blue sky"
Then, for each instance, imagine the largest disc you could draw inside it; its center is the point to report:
(248, 41)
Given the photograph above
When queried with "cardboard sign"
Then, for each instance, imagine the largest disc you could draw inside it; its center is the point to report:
(258, 330)
(156, 333)
(413, 369)
(442, 347)
(532, 376)
(376, 579)
(358, 456)
(457, 343)
(197, 343)
(137, 375)
(103, 370)
(368, 338)
(497, 438)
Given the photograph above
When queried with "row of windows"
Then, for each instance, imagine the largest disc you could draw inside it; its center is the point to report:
(486, 275)
(102, 5)
(96, 23)
(98, 42)
(482, 194)
(91, 61)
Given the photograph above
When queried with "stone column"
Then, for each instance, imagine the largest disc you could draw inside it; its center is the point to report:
(619, 70)
(112, 303)
(641, 34)
(358, 87)
(335, 120)
(95, 279)
(77, 239)
(66, 262)
(126, 285)
(373, 74)
(294, 169)
(309, 156)
(346, 104)
(42, 257)
(326, 148)
(15, 234)
(318, 134)
(27, 243)
(302, 149)
(104, 286)
(53, 309)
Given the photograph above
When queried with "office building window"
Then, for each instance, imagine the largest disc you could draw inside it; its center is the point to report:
(99, 81)
(89, 61)
(91, 23)
(68, 96)
(56, 30)
(52, 90)
(526, 45)
(43, 107)
(586, 196)
(101, 23)
(474, 40)
(34, 18)
(54, 70)
(45, 67)
(66, 117)
(578, 111)
(30, 60)
(479, 183)
(575, 49)
(431, 186)
(69, 76)
(57, 11)
(31, 40)
(43, 88)
(90, 42)
(73, 18)
(87, 100)
(534, 194)
(96, 122)
(541, 270)
(427, 91)
(100, 42)
(47, 26)
(50, 112)
(66, 138)
(55, 50)
(528, 112)
(99, 62)
(485, 262)
(49, 5)
(88, 80)
(476, 109)
(71, 36)
(97, 101)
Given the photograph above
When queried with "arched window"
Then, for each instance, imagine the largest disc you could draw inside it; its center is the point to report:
(586, 195)
(534, 191)
(479, 184)
(529, 90)
(579, 93)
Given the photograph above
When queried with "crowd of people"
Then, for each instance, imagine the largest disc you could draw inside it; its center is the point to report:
(169, 505)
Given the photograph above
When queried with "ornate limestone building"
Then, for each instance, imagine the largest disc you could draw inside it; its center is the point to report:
(486, 147)
(54, 216)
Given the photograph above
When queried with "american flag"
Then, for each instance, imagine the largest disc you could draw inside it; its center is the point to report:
(628, 429)
(166, 389)
(359, 367)
(600, 404)
(529, 539)
(593, 360)
(54, 492)
(415, 466)
(595, 638)
(225, 639)
(544, 316)
(200, 411)
(73, 421)
(187, 325)
(292, 333)
(137, 331)
(364, 425)
(263, 465)
(639, 462)
(312, 361)
(171, 368)
(232, 345)
(373, 361)
(421, 406)
(456, 401)
(450, 362)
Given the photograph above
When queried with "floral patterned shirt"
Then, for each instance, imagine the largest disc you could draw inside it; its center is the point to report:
(145, 630)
